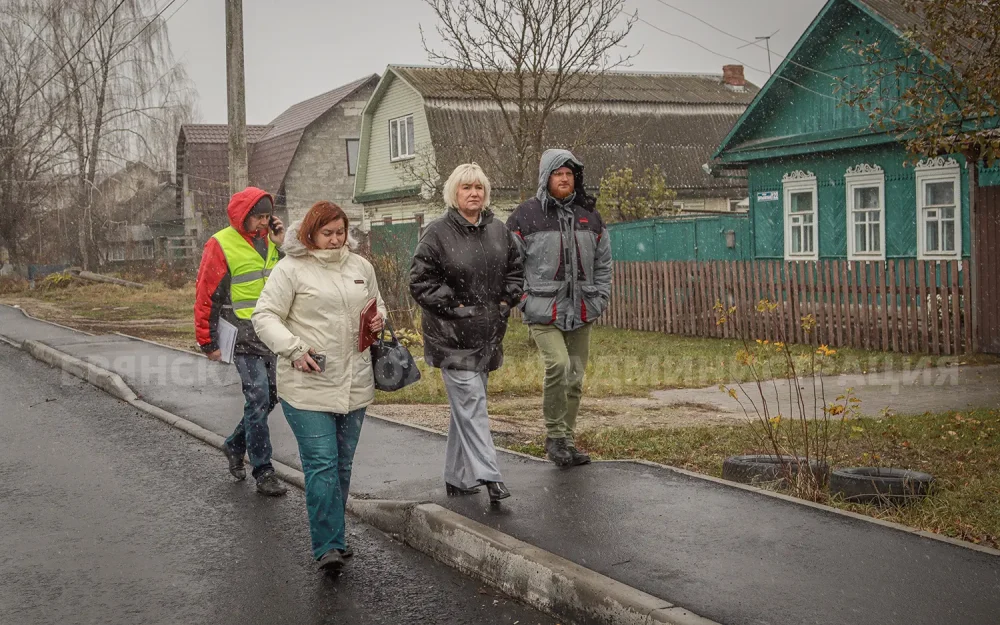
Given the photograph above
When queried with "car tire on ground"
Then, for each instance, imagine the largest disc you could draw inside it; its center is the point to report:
(880, 485)
(762, 469)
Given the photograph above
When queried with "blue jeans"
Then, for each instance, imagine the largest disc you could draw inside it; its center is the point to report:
(260, 393)
(327, 442)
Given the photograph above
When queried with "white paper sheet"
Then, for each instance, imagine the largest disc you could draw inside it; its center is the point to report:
(227, 340)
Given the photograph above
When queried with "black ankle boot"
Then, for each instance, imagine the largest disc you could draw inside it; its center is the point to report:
(578, 456)
(497, 491)
(557, 452)
(455, 491)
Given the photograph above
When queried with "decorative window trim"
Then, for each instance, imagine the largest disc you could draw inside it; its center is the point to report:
(798, 175)
(863, 176)
(938, 169)
(404, 133)
(938, 162)
(797, 182)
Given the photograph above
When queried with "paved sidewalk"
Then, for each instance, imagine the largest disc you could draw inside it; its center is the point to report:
(912, 391)
(728, 554)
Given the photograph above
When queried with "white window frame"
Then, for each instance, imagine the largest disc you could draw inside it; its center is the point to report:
(798, 182)
(938, 169)
(401, 149)
(861, 177)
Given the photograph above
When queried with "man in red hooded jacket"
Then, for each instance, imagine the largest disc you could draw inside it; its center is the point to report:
(234, 267)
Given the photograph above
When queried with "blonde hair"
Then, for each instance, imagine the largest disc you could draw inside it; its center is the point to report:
(466, 173)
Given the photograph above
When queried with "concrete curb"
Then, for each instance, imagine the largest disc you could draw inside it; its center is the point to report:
(520, 570)
(105, 380)
(543, 580)
(51, 323)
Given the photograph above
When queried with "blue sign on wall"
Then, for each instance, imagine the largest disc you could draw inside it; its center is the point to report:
(767, 196)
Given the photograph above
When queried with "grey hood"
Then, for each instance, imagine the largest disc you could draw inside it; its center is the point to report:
(552, 160)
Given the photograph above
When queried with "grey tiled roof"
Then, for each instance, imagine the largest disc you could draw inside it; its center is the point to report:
(602, 140)
(219, 133)
(300, 115)
(658, 88)
(896, 13)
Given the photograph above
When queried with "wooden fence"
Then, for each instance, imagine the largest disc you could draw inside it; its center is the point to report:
(898, 305)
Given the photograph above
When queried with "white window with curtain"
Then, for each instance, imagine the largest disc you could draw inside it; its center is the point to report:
(801, 223)
(401, 138)
(865, 212)
(939, 209)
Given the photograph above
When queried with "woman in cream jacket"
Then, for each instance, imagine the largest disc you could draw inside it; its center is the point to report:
(311, 305)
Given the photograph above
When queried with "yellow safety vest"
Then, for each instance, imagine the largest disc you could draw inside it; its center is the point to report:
(247, 270)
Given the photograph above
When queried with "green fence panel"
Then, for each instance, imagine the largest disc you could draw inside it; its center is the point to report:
(710, 237)
(398, 240)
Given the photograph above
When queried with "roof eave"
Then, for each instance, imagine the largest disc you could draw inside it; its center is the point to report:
(744, 155)
(774, 78)
(389, 194)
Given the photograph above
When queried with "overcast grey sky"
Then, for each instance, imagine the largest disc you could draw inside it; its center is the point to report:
(296, 49)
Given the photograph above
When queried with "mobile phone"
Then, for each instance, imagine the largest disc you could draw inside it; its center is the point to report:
(272, 225)
(320, 360)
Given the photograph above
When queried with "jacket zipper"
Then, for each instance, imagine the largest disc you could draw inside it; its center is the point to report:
(486, 305)
(571, 270)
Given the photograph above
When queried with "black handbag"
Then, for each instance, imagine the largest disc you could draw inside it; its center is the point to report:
(392, 363)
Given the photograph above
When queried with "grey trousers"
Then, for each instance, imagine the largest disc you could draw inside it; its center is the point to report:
(470, 456)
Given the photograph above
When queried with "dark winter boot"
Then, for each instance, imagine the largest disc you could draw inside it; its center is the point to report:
(331, 561)
(269, 484)
(556, 450)
(236, 467)
(578, 456)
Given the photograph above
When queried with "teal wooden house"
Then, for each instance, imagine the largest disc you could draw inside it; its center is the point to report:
(822, 186)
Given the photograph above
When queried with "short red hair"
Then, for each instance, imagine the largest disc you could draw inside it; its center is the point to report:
(318, 216)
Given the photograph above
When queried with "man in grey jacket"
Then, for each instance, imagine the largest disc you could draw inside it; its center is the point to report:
(567, 285)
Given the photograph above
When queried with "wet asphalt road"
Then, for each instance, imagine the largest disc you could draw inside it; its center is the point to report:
(109, 516)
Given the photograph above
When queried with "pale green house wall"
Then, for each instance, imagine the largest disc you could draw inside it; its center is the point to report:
(377, 173)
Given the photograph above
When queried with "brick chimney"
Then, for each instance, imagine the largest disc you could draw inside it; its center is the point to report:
(732, 76)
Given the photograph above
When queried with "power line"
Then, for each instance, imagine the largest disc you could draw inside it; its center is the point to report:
(747, 41)
(731, 58)
(78, 50)
(66, 97)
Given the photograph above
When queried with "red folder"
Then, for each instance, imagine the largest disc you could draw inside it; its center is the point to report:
(365, 336)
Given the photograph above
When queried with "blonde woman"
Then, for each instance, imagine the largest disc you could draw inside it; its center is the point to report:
(308, 314)
(466, 274)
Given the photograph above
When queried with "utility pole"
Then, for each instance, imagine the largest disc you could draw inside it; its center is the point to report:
(236, 92)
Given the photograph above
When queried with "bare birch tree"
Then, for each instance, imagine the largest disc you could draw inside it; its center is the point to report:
(526, 57)
(120, 87)
(29, 142)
